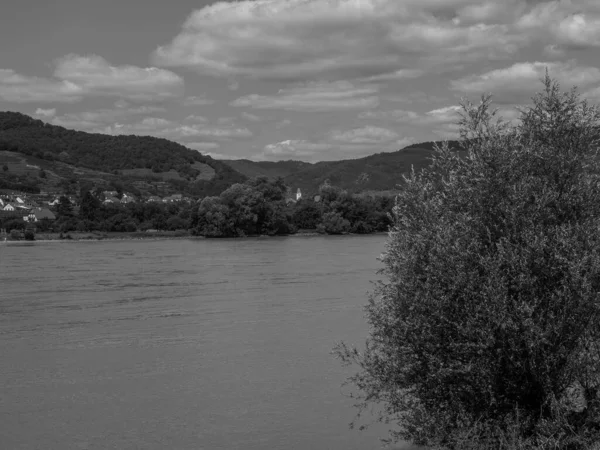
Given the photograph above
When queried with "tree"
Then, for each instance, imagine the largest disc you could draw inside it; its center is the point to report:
(89, 206)
(64, 207)
(485, 332)
(5, 168)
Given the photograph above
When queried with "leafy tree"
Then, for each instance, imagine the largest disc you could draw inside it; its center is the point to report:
(333, 223)
(5, 168)
(89, 206)
(485, 333)
(64, 207)
(214, 219)
(307, 215)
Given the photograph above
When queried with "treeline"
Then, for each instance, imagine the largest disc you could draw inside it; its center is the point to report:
(257, 207)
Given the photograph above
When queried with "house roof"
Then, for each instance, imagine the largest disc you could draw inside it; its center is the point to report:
(43, 213)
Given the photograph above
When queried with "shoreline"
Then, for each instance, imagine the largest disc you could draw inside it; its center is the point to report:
(138, 236)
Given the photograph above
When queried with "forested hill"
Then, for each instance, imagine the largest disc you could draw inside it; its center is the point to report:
(378, 172)
(132, 157)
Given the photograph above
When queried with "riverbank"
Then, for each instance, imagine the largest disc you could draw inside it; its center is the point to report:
(137, 235)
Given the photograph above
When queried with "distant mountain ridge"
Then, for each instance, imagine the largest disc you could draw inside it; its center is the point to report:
(42, 156)
(69, 154)
(378, 172)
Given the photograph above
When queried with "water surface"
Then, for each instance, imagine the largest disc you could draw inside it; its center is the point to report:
(182, 344)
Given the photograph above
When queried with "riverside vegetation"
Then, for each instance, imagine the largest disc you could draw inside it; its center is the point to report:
(485, 333)
(256, 207)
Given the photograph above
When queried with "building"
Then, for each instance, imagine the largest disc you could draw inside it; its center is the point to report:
(127, 198)
(111, 200)
(173, 198)
(38, 214)
(298, 195)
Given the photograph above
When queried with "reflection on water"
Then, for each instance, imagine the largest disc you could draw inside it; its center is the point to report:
(184, 344)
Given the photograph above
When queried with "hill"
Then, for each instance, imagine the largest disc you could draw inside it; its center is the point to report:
(37, 155)
(378, 172)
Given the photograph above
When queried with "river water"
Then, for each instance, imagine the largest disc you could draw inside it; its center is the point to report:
(182, 344)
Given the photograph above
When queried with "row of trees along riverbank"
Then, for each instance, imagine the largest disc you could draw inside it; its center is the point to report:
(256, 207)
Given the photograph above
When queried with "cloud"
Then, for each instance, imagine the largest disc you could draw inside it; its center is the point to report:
(196, 118)
(570, 24)
(447, 114)
(315, 96)
(97, 77)
(396, 115)
(315, 39)
(100, 118)
(24, 89)
(76, 77)
(45, 112)
(251, 117)
(401, 74)
(369, 135)
(197, 101)
(292, 149)
(283, 123)
(513, 84)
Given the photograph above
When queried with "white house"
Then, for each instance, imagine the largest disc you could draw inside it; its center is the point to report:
(8, 207)
(298, 195)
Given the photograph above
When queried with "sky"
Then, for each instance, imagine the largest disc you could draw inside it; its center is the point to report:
(272, 80)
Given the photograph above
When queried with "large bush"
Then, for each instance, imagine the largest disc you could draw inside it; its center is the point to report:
(485, 331)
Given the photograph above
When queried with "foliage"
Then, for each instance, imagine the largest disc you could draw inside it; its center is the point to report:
(54, 145)
(89, 206)
(486, 330)
(259, 207)
(333, 223)
(64, 207)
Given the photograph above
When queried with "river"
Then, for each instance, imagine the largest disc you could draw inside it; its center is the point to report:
(182, 344)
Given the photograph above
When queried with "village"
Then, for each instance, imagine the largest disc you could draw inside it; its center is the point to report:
(37, 207)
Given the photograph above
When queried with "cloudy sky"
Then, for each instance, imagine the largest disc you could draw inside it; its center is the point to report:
(287, 79)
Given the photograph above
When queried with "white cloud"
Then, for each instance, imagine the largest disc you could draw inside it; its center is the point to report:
(396, 115)
(365, 135)
(315, 96)
(76, 77)
(569, 23)
(292, 149)
(24, 89)
(45, 112)
(447, 114)
(100, 118)
(97, 77)
(312, 39)
(196, 118)
(251, 117)
(521, 80)
(283, 123)
(200, 100)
